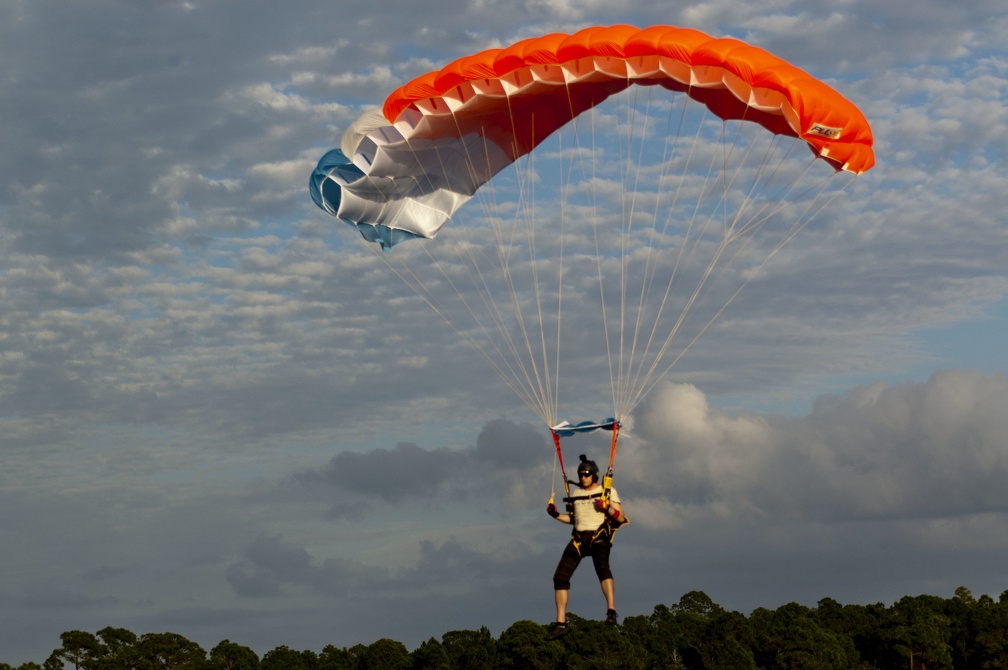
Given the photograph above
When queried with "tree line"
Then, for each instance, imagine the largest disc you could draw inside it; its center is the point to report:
(915, 633)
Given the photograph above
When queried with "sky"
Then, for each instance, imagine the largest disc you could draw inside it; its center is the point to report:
(218, 420)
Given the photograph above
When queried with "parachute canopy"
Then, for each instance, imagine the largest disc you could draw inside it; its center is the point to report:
(679, 166)
(404, 171)
(566, 429)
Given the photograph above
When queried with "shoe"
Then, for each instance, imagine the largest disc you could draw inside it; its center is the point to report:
(557, 630)
(610, 617)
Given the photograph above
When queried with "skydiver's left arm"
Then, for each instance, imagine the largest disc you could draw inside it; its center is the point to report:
(611, 508)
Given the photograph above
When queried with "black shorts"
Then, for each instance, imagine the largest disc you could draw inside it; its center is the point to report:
(571, 557)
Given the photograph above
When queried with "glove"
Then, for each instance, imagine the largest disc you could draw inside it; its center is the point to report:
(603, 506)
(552, 510)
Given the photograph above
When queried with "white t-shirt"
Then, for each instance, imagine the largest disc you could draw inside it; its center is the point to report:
(586, 517)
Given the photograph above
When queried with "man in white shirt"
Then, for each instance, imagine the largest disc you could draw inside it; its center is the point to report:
(595, 518)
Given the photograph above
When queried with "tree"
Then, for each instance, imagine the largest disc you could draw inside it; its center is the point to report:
(116, 640)
(963, 594)
(171, 651)
(121, 650)
(592, 645)
(656, 639)
(283, 658)
(990, 641)
(977, 631)
(524, 646)
(962, 611)
(431, 655)
(334, 658)
(728, 643)
(921, 633)
(705, 634)
(471, 649)
(790, 638)
(863, 625)
(80, 649)
(54, 662)
(356, 653)
(386, 654)
(228, 655)
(697, 602)
(916, 633)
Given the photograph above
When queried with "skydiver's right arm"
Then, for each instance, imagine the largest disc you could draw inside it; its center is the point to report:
(562, 518)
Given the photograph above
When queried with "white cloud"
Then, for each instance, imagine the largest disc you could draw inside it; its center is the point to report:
(930, 450)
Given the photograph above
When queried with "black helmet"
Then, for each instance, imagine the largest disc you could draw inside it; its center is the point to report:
(588, 466)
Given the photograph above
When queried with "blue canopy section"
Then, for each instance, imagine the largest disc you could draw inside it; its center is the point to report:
(333, 170)
(326, 191)
(382, 234)
(566, 429)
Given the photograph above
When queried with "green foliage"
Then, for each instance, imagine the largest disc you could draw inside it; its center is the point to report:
(919, 632)
(656, 639)
(524, 646)
(333, 658)
(228, 655)
(386, 654)
(283, 658)
(80, 649)
(592, 645)
(697, 602)
(116, 640)
(431, 655)
(792, 638)
(171, 651)
(471, 649)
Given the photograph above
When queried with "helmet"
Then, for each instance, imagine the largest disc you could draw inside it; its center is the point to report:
(588, 466)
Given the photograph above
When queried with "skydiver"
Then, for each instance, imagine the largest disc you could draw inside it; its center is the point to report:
(594, 519)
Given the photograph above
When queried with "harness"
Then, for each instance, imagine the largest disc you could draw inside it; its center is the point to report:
(607, 530)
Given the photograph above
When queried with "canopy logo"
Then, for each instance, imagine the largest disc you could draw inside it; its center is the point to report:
(824, 131)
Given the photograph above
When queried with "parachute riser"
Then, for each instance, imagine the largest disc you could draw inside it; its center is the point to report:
(563, 471)
(614, 426)
(607, 479)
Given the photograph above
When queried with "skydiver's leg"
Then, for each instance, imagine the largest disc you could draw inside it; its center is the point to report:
(609, 591)
(561, 596)
(600, 559)
(561, 579)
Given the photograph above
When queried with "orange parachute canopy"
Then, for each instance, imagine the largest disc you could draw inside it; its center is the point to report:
(403, 172)
(678, 228)
(548, 80)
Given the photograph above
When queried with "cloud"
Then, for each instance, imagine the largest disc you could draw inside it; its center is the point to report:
(405, 471)
(505, 444)
(503, 450)
(918, 450)
(270, 564)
